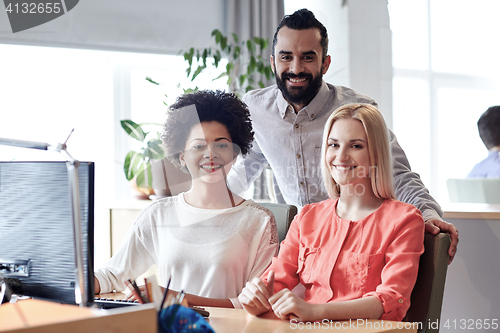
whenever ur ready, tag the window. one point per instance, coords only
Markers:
(445, 75)
(46, 92)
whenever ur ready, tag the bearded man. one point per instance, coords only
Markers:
(288, 120)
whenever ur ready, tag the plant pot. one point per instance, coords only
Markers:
(168, 180)
(140, 193)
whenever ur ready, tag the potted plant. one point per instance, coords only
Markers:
(245, 67)
(137, 164)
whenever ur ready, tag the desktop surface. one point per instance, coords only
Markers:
(37, 316)
(237, 320)
(225, 320)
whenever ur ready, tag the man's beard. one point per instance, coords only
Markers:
(300, 95)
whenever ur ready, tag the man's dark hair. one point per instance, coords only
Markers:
(489, 127)
(206, 106)
(300, 20)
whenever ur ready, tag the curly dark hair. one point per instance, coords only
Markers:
(489, 127)
(300, 20)
(206, 106)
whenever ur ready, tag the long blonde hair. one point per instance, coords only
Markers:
(378, 149)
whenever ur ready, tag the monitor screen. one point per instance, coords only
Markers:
(37, 247)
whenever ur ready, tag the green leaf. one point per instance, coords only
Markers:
(223, 43)
(188, 56)
(252, 65)
(217, 58)
(133, 129)
(198, 71)
(151, 80)
(261, 84)
(260, 66)
(264, 43)
(220, 76)
(144, 175)
(251, 46)
(190, 90)
(237, 52)
(242, 79)
(218, 36)
(248, 88)
(131, 164)
(235, 38)
(257, 40)
(155, 150)
(204, 57)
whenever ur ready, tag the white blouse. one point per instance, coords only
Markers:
(207, 252)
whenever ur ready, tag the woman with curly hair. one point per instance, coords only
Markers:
(208, 240)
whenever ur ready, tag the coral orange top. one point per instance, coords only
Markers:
(338, 260)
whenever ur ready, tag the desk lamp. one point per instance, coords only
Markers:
(72, 165)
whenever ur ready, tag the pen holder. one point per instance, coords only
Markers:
(179, 319)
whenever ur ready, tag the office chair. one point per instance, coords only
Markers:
(427, 295)
(477, 190)
(283, 214)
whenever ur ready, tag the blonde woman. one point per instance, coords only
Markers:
(357, 252)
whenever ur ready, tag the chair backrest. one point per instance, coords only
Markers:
(482, 190)
(427, 295)
(283, 214)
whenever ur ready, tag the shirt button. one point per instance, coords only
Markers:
(301, 183)
(401, 301)
(296, 126)
(369, 266)
(312, 115)
(299, 156)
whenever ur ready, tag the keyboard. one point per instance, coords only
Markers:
(108, 303)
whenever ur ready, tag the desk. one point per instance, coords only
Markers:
(44, 316)
(471, 290)
(237, 320)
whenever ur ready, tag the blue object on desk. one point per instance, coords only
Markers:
(179, 319)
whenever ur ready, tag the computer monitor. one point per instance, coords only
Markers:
(37, 245)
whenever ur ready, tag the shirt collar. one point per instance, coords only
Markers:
(312, 109)
(494, 153)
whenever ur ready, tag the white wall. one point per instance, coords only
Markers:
(153, 26)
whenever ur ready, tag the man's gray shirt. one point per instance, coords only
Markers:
(291, 144)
